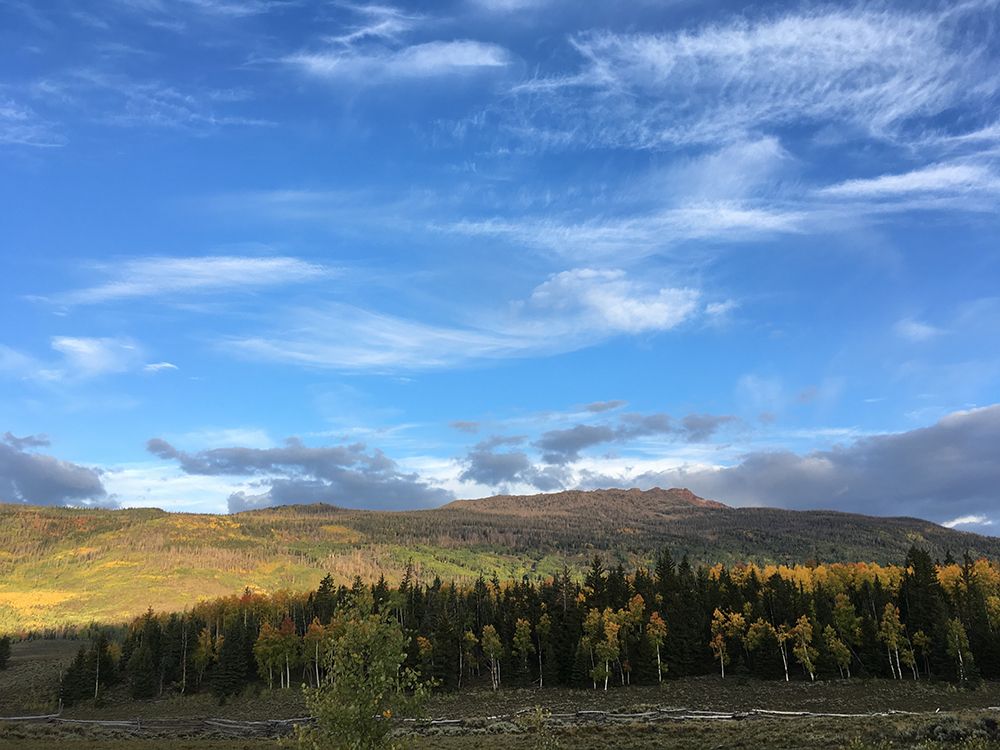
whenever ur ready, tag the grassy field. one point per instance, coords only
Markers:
(922, 714)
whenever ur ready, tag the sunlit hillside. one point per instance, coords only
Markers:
(62, 566)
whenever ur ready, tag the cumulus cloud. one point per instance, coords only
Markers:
(700, 427)
(40, 479)
(490, 467)
(551, 461)
(28, 441)
(464, 426)
(945, 472)
(607, 298)
(348, 475)
(563, 446)
(597, 407)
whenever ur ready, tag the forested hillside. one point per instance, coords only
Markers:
(61, 566)
(612, 629)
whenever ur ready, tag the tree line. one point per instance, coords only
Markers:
(922, 619)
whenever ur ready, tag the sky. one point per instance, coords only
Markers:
(384, 255)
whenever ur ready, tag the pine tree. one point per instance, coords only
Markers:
(231, 672)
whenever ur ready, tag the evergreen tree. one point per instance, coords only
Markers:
(232, 669)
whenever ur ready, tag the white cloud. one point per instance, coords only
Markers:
(568, 311)
(871, 70)
(607, 299)
(347, 338)
(428, 60)
(379, 22)
(164, 276)
(509, 6)
(936, 178)
(21, 126)
(721, 309)
(79, 358)
(973, 520)
(632, 237)
(159, 367)
(89, 357)
(153, 484)
(13, 362)
(212, 437)
(916, 330)
(163, 9)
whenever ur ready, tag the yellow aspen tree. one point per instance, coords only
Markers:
(656, 631)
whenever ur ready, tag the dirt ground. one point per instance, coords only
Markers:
(703, 712)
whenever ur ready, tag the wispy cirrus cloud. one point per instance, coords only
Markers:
(375, 50)
(121, 99)
(916, 330)
(426, 60)
(22, 126)
(79, 358)
(85, 357)
(155, 367)
(376, 22)
(639, 235)
(951, 180)
(159, 10)
(569, 311)
(166, 277)
(729, 80)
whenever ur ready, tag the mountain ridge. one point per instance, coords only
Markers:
(65, 566)
(568, 500)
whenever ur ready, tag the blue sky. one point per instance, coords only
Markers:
(388, 255)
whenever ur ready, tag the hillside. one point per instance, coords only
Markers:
(69, 566)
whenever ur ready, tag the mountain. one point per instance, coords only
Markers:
(637, 503)
(70, 566)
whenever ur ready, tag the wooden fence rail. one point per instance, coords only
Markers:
(279, 727)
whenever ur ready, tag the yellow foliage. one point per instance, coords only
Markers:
(32, 601)
(340, 534)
